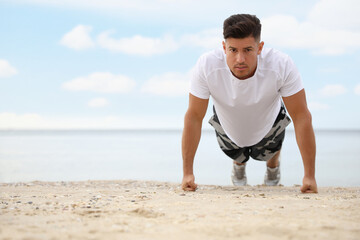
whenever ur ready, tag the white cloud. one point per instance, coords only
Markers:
(332, 28)
(357, 89)
(138, 45)
(78, 38)
(168, 84)
(146, 46)
(316, 106)
(37, 121)
(12, 120)
(208, 39)
(335, 14)
(98, 102)
(286, 31)
(102, 82)
(6, 70)
(332, 90)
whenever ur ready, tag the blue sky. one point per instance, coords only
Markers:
(126, 64)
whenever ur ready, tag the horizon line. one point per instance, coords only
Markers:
(141, 129)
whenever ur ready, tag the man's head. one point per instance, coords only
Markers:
(242, 26)
(242, 44)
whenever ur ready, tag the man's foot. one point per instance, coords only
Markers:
(238, 176)
(272, 176)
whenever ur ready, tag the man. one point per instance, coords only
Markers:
(249, 85)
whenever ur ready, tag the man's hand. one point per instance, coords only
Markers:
(188, 183)
(309, 185)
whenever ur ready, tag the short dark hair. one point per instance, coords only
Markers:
(242, 26)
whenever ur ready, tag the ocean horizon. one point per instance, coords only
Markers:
(155, 154)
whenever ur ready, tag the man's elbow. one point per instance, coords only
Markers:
(305, 118)
(192, 117)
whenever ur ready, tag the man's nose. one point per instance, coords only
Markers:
(240, 58)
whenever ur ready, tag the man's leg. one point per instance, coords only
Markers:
(239, 164)
(272, 174)
(239, 155)
(274, 161)
(268, 149)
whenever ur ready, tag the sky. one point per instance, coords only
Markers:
(121, 64)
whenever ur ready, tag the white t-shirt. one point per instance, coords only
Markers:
(246, 109)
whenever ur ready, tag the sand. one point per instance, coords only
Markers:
(158, 210)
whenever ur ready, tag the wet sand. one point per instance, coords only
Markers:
(159, 210)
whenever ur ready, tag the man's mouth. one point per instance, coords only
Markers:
(240, 67)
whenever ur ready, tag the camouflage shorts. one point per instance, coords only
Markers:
(263, 150)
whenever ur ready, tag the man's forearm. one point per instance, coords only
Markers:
(305, 138)
(190, 141)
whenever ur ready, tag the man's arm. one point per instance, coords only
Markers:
(191, 138)
(305, 137)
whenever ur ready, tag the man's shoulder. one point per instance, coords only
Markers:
(274, 60)
(211, 62)
(214, 57)
(271, 54)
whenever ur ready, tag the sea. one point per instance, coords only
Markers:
(80, 155)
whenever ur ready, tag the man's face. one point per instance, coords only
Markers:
(241, 56)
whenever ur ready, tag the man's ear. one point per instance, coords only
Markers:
(261, 45)
(224, 46)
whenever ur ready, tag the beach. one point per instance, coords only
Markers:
(161, 210)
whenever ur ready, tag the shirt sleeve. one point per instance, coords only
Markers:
(198, 84)
(292, 80)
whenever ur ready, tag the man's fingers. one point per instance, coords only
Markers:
(307, 189)
(190, 187)
(303, 189)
